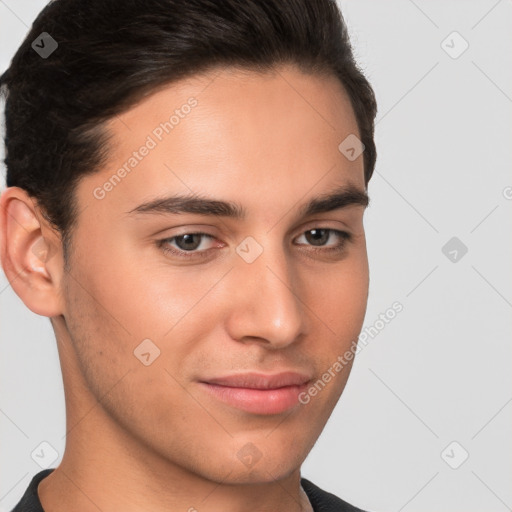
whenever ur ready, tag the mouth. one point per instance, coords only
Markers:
(258, 393)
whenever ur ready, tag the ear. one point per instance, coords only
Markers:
(30, 253)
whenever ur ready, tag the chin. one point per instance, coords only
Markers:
(262, 469)
(263, 474)
(276, 465)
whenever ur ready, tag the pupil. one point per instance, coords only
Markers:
(318, 235)
(188, 239)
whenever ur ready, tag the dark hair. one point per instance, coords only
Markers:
(112, 53)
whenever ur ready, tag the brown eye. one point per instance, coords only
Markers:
(188, 242)
(186, 245)
(319, 236)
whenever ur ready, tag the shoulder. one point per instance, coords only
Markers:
(323, 501)
(29, 502)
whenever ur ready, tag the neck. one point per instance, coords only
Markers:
(100, 476)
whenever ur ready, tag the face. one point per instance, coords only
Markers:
(174, 309)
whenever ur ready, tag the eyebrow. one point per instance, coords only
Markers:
(340, 197)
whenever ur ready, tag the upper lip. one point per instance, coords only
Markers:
(261, 380)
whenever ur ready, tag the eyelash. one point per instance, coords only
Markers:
(163, 244)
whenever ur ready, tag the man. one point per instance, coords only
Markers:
(186, 183)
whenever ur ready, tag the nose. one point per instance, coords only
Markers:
(266, 305)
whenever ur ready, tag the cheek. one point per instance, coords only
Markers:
(104, 340)
(107, 315)
(138, 298)
(341, 297)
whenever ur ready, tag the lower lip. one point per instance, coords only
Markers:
(257, 401)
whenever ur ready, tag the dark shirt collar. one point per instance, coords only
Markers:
(321, 500)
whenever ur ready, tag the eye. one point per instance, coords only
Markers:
(187, 245)
(190, 245)
(318, 236)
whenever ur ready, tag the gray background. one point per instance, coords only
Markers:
(440, 371)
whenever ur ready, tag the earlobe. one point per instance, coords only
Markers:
(28, 258)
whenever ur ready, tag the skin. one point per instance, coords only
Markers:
(149, 437)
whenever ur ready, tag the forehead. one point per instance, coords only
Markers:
(254, 135)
